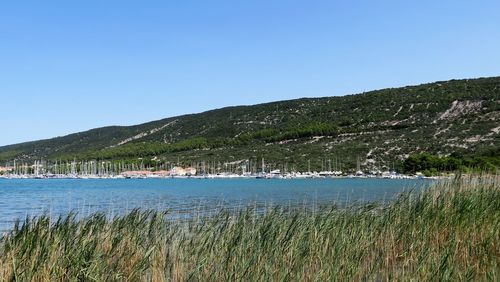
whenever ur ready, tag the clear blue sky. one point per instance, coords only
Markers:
(68, 66)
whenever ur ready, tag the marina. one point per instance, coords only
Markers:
(120, 170)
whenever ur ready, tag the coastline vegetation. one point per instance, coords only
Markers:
(450, 231)
(431, 165)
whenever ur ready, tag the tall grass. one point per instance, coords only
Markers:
(449, 232)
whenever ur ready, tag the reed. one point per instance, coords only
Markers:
(451, 231)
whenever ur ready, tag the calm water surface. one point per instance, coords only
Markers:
(31, 197)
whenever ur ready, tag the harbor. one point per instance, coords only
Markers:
(113, 170)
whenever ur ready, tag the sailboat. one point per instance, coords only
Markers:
(262, 174)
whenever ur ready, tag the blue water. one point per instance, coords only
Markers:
(31, 197)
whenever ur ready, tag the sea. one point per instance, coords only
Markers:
(184, 198)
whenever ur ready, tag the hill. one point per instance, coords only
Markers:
(374, 129)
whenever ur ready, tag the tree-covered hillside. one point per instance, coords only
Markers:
(375, 129)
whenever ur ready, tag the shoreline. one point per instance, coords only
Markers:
(227, 176)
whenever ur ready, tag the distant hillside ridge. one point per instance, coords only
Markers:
(375, 129)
